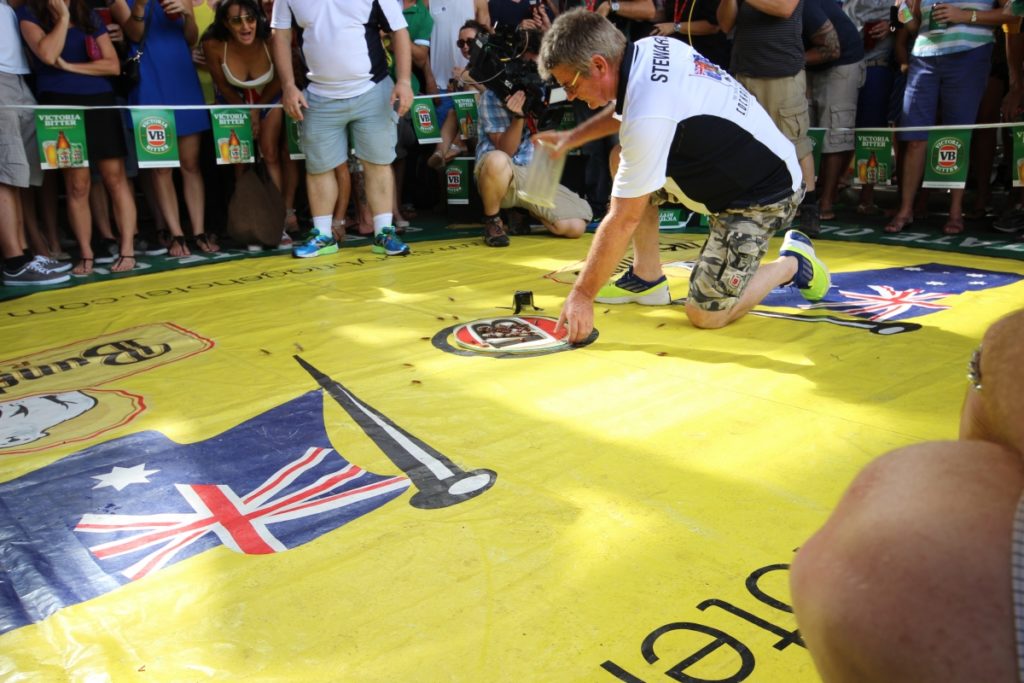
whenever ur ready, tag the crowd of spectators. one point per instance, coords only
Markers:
(811, 63)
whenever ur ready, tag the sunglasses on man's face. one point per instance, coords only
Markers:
(460, 43)
(247, 18)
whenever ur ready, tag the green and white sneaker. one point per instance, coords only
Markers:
(315, 245)
(812, 277)
(389, 243)
(630, 289)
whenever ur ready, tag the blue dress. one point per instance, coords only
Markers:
(167, 75)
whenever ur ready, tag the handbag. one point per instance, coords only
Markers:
(256, 210)
(131, 71)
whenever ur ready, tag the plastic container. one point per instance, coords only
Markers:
(543, 176)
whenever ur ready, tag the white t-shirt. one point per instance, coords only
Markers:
(448, 16)
(341, 42)
(684, 119)
(12, 54)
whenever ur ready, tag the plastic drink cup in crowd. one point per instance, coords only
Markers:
(173, 16)
(542, 176)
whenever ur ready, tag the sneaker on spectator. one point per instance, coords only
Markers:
(107, 251)
(810, 219)
(316, 245)
(812, 277)
(630, 289)
(144, 247)
(53, 264)
(33, 273)
(389, 243)
(286, 241)
(494, 232)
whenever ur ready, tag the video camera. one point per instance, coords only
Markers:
(496, 61)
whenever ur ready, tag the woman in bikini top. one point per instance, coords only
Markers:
(238, 57)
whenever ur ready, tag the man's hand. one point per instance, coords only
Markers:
(556, 141)
(294, 102)
(514, 103)
(577, 317)
(403, 95)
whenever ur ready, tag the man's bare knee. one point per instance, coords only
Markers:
(706, 320)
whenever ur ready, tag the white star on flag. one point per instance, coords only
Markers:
(120, 477)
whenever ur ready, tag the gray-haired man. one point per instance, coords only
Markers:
(725, 158)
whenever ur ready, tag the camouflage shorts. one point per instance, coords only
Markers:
(737, 241)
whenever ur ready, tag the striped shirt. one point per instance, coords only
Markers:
(933, 41)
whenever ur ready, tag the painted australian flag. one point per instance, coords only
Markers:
(896, 293)
(121, 510)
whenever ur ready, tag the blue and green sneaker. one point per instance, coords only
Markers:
(389, 243)
(812, 277)
(630, 289)
(315, 245)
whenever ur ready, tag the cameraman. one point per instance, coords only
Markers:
(503, 152)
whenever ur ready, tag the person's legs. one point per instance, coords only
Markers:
(77, 183)
(195, 192)
(10, 199)
(116, 182)
(494, 173)
(167, 200)
(270, 145)
(910, 578)
(343, 181)
(325, 141)
(920, 108)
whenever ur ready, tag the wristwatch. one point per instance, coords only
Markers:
(678, 28)
(974, 16)
(615, 6)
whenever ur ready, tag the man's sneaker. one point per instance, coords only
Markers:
(494, 232)
(149, 249)
(53, 264)
(387, 242)
(33, 273)
(630, 289)
(810, 219)
(316, 245)
(812, 277)
(106, 251)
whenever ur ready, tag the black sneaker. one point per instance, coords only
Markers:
(106, 251)
(494, 233)
(33, 273)
(810, 220)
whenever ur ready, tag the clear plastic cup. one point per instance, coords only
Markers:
(543, 176)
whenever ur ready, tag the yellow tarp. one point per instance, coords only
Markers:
(650, 488)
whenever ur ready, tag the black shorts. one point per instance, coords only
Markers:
(104, 128)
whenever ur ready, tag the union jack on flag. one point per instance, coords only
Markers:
(896, 293)
(122, 510)
(242, 523)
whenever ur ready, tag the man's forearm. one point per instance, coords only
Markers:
(403, 55)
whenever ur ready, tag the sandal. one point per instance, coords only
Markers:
(868, 209)
(494, 233)
(898, 223)
(83, 268)
(178, 242)
(119, 267)
(954, 226)
(207, 243)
